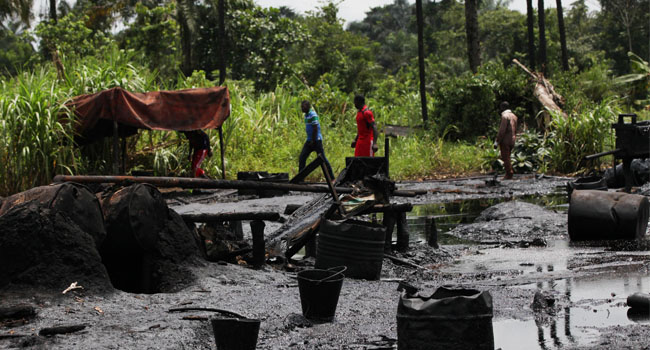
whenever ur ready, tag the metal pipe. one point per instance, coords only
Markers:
(602, 154)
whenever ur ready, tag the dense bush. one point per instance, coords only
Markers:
(469, 102)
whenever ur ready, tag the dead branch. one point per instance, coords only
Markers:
(544, 91)
(61, 329)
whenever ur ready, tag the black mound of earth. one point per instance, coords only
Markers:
(52, 236)
(45, 249)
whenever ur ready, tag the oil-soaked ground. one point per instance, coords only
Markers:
(517, 248)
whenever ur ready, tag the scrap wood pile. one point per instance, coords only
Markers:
(369, 192)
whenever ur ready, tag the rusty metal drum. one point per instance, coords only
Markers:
(602, 215)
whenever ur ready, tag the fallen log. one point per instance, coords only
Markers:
(222, 217)
(544, 91)
(185, 182)
(388, 208)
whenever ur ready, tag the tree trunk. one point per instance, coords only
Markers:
(183, 10)
(53, 10)
(560, 22)
(542, 36)
(531, 32)
(186, 45)
(471, 29)
(423, 95)
(222, 43)
(545, 94)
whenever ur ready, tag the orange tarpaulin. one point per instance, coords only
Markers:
(190, 109)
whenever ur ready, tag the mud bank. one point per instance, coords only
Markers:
(588, 284)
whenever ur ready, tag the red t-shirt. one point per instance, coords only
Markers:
(364, 129)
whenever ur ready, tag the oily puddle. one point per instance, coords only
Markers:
(591, 303)
(451, 214)
(588, 303)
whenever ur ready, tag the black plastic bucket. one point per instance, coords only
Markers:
(319, 292)
(600, 215)
(448, 319)
(358, 245)
(235, 333)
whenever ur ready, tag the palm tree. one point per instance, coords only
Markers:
(531, 33)
(560, 23)
(471, 29)
(542, 35)
(186, 17)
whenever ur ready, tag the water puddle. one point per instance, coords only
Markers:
(593, 303)
(587, 303)
(449, 215)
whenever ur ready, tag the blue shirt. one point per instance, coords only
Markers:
(311, 122)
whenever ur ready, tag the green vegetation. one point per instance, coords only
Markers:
(277, 58)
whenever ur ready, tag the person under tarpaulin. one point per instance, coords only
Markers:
(365, 143)
(199, 150)
(314, 142)
(506, 137)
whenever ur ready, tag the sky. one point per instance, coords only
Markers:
(354, 10)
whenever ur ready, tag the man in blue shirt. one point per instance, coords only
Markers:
(314, 141)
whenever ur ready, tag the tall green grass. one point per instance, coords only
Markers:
(34, 143)
(580, 134)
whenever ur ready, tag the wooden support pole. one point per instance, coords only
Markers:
(237, 228)
(222, 150)
(304, 172)
(389, 222)
(387, 155)
(402, 233)
(335, 196)
(116, 147)
(310, 248)
(123, 155)
(259, 249)
(431, 231)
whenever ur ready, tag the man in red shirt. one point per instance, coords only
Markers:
(365, 143)
(199, 149)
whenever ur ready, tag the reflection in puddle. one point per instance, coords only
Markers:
(449, 215)
(592, 303)
(585, 304)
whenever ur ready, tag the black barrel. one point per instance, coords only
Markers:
(358, 245)
(587, 183)
(448, 319)
(601, 215)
